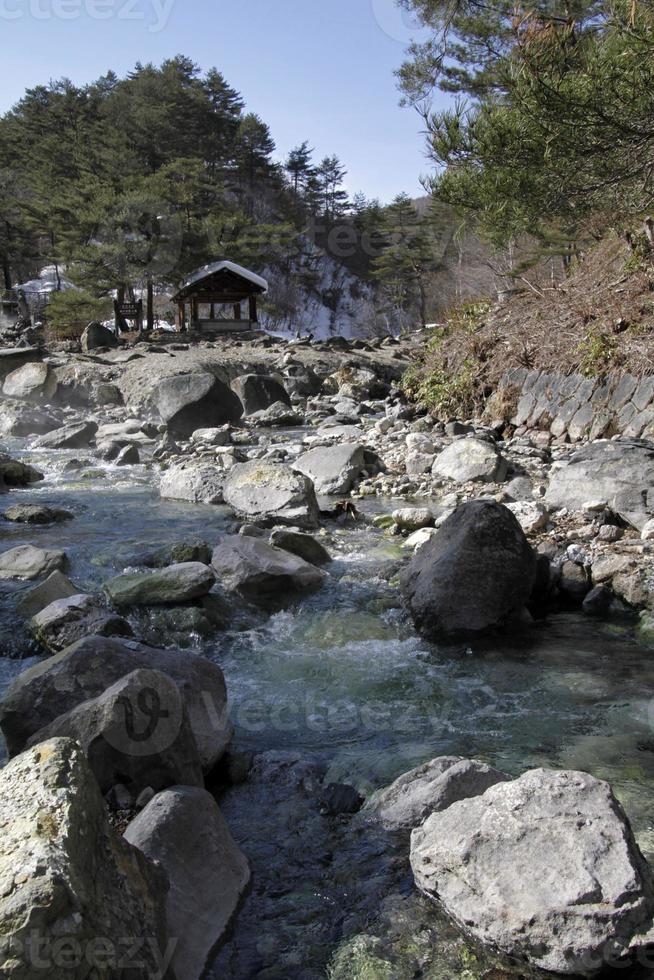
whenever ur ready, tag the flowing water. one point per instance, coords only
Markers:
(342, 676)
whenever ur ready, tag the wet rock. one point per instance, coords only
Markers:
(25, 421)
(37, 514)
(262, 573)
(271, 491)
(183, 830)
(135, 733)
(475, 574)
(56, 586)
(544, 868)
(471, 459)
(34, 382)
(187, 402)
(332, 469)
(128, 456)
(14, 474)
(26, 563)
(97, 335)
(574, 581)
(338, 798)
(65, 621)
(619, 472)
(169, 586)
(598, 602)
(197, 483)
(413, 518)
(430, 788)
(302, 545)
(258, 392)
(76, 435)
(68, 880)
(89, 667)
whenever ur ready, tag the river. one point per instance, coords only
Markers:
(343, 676)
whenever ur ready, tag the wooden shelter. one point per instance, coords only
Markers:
(210, 289)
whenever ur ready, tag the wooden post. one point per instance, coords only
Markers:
(212, 311)
(149, 313)
(180, 317)
(253, 309)
(194, 312)
(237, 311)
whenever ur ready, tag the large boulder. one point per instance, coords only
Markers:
(332, 469)
(65, 621)
(430, 788)
(35, 382)
(76, 435)
(620, 473)
(183, 830)
(97, 335)
(544, 868)
(25, 420)
(475, 574)
(302, 545)
(136, 733)
(83, 671)
(197, 483)
(262, 573)
(470, 459)
(36, 514)
(257, 392)
(271, 491)
(14, 474)
(69, 882)
(26, 563)
(187, 402)
(163, 587)
(56, 586)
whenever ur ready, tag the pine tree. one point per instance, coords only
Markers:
(299, 167)
(330, 176)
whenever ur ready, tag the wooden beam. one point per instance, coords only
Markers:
(253, 309)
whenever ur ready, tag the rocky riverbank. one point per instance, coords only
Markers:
(294, 456)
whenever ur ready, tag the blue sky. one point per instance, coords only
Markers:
(320, 70)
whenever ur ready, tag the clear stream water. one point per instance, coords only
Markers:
(343, 677)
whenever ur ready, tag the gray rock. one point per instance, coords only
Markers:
(187, 402)
(76, 435)
(67, 620)
(332, 469)
(27, 421)
(278, 415)
(430, 788)
(220, 436)
(34, 382)
(470, 459)
(474, 575)
(413, 518)
(262, 573)
(165, 587)
(37, 514)
(89, 667)
(197, 483)
(135, 733)
(97, 335)
(14, 474)
(183, 830)
(128, 456)
(56, 586)
(271, 491)
(26, 563)
(544, 868)
(257, 392)
(68, 880)
(302, 545)
(620, 472)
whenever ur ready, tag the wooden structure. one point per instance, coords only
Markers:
(218, 285)
(124, 312)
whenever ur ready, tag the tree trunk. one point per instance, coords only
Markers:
(150, 305)
(6, 272)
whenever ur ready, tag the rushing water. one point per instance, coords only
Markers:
(342, 676)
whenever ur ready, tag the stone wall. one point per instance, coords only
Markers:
(575, 408)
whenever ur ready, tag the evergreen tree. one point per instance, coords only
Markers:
(299, 167)
(330, 175)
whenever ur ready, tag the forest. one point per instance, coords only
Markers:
(128, 184)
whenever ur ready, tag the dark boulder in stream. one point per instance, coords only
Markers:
(188, 402)
(474, 575)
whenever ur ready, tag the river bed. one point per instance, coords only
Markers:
(342, 676)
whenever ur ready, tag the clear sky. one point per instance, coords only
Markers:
(320, 70)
